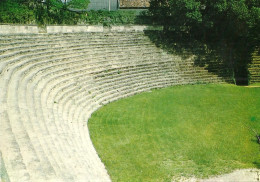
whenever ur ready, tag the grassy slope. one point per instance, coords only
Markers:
(178, 131)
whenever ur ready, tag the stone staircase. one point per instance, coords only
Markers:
(254, 67)
(51, 83)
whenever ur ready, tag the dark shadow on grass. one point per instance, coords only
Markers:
(255, 140)
(257, 164)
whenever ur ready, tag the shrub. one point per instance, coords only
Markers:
(107, 18)
(13, 12)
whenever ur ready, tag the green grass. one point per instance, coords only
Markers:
(193, 130)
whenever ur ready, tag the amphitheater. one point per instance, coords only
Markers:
(51, 82)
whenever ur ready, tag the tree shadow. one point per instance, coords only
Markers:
(257, 164)
(214, 55)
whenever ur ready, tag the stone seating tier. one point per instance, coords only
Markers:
(51, 83)
(254, 67)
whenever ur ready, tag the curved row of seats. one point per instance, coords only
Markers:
(254, 67)
(51, 83)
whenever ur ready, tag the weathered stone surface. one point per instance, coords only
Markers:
(134, 3)
(11, 29)
(254, 67)
(51, 83)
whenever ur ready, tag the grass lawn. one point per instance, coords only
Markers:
(192, 130)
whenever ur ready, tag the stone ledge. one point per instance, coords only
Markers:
(18, 29)
(52, 29)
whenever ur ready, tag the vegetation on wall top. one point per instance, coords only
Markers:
(70, 13)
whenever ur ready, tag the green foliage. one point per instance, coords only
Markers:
(110, 17)
(120, 17)
(191, 130)
(79, 4)
(234, 22)
(55, 12)
(72, 13)
(176, 12)
(221, 16)
(49, 12)
(13, 12)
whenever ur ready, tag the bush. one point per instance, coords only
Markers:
(55, 12)
(13, 12)
(107, 18)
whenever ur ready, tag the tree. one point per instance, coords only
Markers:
(235, 22)
(177, 13)
(224, 17)
(78, 4)
(12, 11)
(58, 12)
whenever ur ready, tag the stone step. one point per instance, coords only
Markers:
(38, 106)
(14, 162)
(88, 36)
(50, 85)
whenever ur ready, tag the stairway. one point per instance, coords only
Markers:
(51, 83)
(254, 67)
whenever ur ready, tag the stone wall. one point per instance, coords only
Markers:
(25, 29)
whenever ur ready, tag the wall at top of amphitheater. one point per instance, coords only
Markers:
(34, 29)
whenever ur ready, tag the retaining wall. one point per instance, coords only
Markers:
(25, 29)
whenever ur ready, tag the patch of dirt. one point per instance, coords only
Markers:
(252, 86)
(242, 175)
